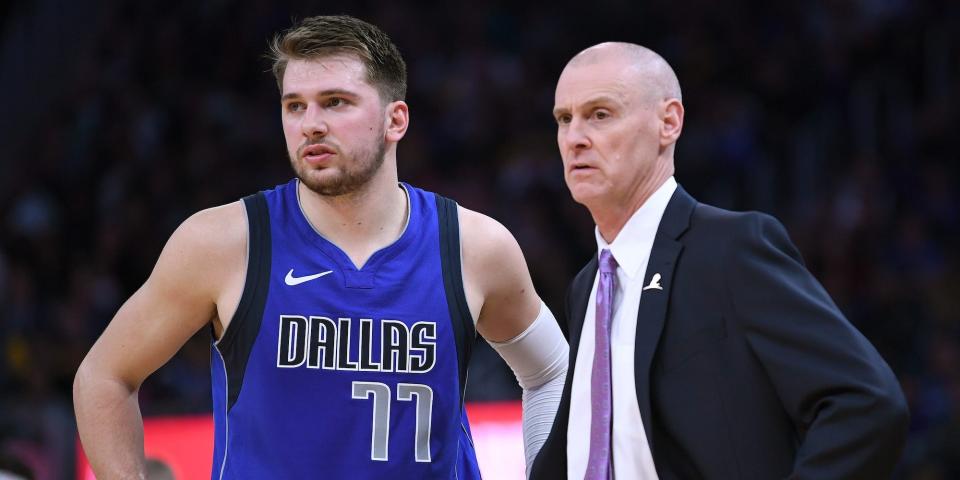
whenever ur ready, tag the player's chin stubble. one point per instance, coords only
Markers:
(353, 174)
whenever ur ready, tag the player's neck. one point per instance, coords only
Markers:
(361, 222)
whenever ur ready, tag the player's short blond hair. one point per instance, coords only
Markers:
(322, 36)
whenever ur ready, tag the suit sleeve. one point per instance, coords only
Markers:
(843, 398)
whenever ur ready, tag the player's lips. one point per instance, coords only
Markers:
(317, 153)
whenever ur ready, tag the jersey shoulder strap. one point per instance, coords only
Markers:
(463, 328)
(237, 340)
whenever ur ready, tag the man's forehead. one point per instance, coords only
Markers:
(586, 86)
(326, 64)
(340, 68)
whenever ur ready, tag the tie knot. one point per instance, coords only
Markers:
(608, 264)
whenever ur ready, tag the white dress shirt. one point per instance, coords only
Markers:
(631, 248)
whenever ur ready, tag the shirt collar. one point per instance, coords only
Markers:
(639, 231)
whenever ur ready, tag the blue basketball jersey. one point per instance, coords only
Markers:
(329, 371)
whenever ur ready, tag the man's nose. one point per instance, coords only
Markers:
(575, 138)
(314, 124)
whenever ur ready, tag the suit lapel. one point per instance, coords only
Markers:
(654, 302)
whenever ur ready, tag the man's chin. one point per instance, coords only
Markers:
(585, 194)
(328, 189)
(326, 182)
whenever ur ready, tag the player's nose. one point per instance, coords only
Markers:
(314, 124)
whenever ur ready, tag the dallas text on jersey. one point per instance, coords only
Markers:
(322, 343)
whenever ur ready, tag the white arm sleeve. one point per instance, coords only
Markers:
(538, 357)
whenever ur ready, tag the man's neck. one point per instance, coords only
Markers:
(612, 214)
(360, 222)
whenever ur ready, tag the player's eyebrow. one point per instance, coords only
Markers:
(325, 93)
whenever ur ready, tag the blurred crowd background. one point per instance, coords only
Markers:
(118, 119)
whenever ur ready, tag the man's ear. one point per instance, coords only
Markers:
(671, 121)
(397, 120)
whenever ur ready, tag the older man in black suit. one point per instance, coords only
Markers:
(701, 346)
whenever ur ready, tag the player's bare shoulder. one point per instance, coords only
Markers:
(211, 238)
(483, 237)
(207, 254)
(488, 248)
(217, 231)
(495, 276)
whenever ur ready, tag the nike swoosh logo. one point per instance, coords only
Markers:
(291, 280)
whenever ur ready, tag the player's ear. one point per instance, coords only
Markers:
(397, 120)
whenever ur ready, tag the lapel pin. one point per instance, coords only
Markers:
(654, 283)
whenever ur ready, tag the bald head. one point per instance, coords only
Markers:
(653, 74)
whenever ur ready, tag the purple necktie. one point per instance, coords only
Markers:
(599, 464)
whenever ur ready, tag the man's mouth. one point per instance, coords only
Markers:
(317, 153)
(317, 149)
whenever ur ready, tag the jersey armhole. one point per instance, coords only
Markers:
(463, 328)
(237, 339)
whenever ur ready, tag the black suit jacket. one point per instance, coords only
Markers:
(744, 366)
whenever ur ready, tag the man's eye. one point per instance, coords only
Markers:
(335, 102)
(295, 106)
(600, 114)
(563, 119)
